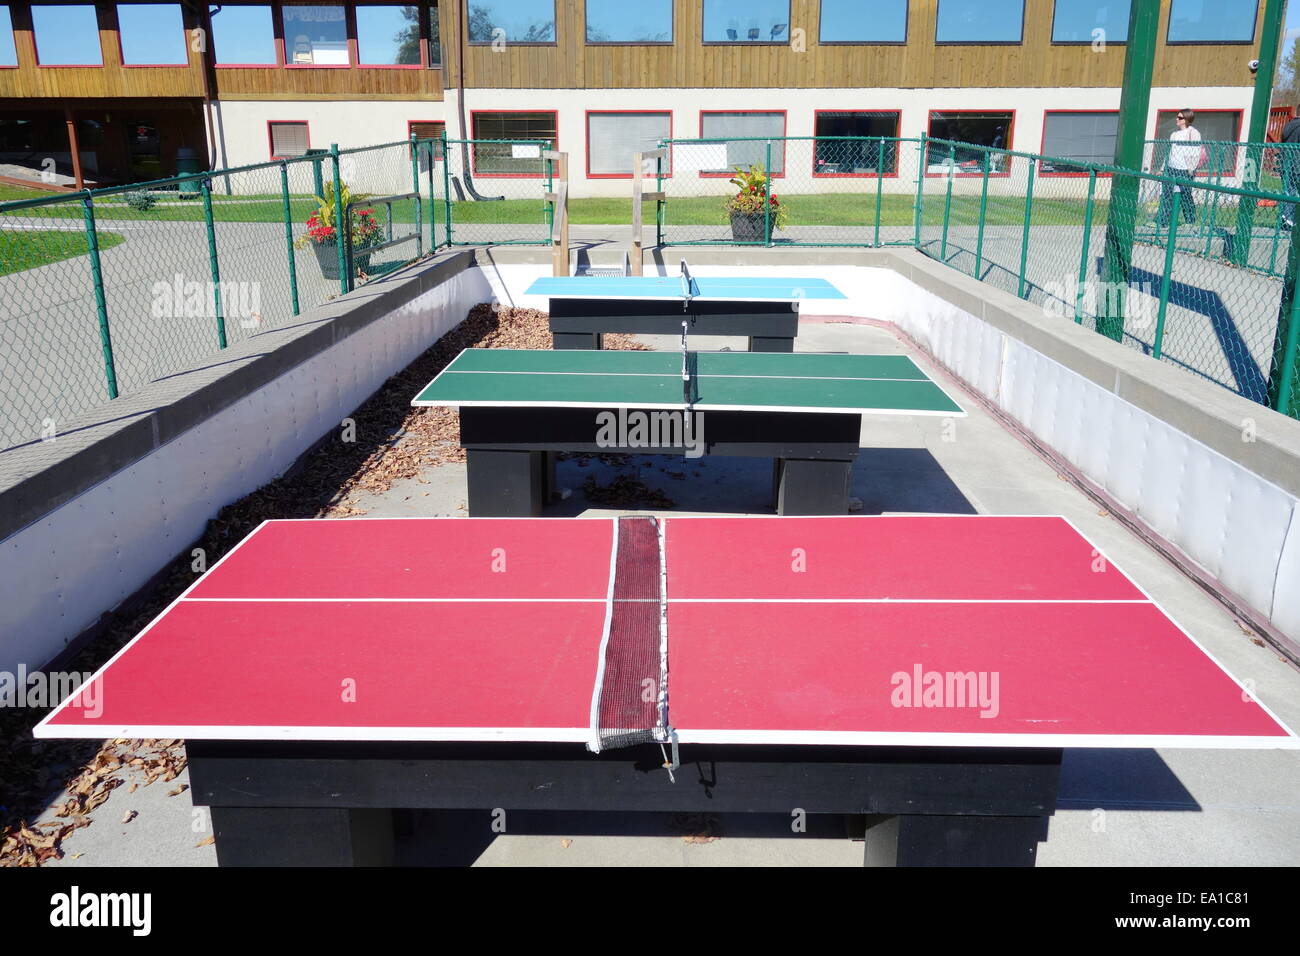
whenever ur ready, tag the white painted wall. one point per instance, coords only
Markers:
(85, 557)
(365, 123)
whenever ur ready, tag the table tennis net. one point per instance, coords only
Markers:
(632, 694)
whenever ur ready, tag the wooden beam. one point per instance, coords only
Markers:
(559, 197)
(74, 146)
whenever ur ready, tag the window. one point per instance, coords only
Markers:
(8, 52)
(1075, 21)
(980, 129)
(435, 36)
(428, 129)
(1212, 21)
(1086, 137)
(1215, 127)
(243, 36)
(863, 21)
(612, 139)
(980, 21)
(66, 35)
(315, 36)
(152, 34)
(288, 138)
(746, 21)
(617, 21)
(512, 158)
(855, 157)
(388, 36)
(746, 135)
(512, 21)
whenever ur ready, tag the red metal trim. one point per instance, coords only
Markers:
(785, 126)
(898, 113)
(1011, 134)
(270, 140)
(587, 144)
(473, 157)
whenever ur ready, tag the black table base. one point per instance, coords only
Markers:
(580, 323)
(330, 804)
(511, 453)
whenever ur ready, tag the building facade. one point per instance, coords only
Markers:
(130, 89)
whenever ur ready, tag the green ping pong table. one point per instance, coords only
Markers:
(519, 408)
(763, 309)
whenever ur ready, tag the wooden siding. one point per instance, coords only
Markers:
(920, 63)
(110, 80)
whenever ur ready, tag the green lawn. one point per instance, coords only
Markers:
(27, 249)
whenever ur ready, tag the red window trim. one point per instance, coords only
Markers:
(473, 153)
(785, 126)
(270, 140)
(1042, 147)
(1011, 138)
(897, 129)
(586, 120)
(1205, 173)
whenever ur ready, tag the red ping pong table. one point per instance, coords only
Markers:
(926, 671)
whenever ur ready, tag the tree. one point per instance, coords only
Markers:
(1286, 88)
(408, 40)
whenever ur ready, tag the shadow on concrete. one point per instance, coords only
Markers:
(460, 837)
(884, 479)
(1120, 780)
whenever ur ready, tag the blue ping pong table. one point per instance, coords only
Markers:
(764, 309)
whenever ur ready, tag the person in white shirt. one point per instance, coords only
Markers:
(1185, 158)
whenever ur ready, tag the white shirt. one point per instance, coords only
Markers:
(1186, 158)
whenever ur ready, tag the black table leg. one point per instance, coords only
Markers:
(576, 340)
(916, 840)
(289, 836)
(817, 487)
(770, 344)
(506, 484)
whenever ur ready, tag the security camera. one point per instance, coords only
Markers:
(1253, 66)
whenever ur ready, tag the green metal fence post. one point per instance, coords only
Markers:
(415, 188)
(1282, 395)
(340, 223)
(205, 187)
(767, 198)
(661, 205)
(1270, 35)
(1024, 237)
(1130, 149)
(984, 206)
(288, 234)
(1087, 247)
(446, 184)
(97, 280)
(880, 182)
(947, 204)
(1172, 246)
(922, 152)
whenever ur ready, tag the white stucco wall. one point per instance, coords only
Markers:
(245, 138)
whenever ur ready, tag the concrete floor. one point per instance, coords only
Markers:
(1116, 807)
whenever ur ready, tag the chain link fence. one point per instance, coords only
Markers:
(106, 290)
(495, 192)
(824, 191)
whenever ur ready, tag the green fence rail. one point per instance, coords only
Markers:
(1199, 293)
(106, 290)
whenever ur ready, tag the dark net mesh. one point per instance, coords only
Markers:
(632, 685)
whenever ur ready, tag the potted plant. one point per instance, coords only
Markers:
(322, 231)
(753, 206)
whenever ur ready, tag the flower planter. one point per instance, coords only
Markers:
(748, 227)
(327, 257)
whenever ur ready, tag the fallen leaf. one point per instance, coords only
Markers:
(208, 842)
(129, 816)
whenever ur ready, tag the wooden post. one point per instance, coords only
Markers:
(639, 197)
(75, 146)
(560, 219)
(637, 260)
